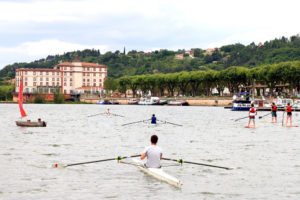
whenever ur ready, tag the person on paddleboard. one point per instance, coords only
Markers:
(153, 154)
(288, 110)
(108, 112)
(153, 119)
(252, 113)
(274, 113)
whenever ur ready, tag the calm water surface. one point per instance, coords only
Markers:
(266, 159)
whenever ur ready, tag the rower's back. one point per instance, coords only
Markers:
(154, 154)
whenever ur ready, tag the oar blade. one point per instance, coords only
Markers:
(57, 165)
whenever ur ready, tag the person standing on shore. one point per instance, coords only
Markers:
(153, 154)
(288, 110)
(274, 113)
(252, 113)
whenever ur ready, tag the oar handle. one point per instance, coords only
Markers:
(241, 118)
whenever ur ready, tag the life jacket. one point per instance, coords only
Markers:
(289, 109)
(252, 110)
(274, 108)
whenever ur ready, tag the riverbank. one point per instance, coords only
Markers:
(193, 101)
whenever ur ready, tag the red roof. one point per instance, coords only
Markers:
(84, 64)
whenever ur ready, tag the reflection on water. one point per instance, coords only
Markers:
(266, 159)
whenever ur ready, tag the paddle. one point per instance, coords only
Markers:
(134, 122)
(283, 118)
(170, 123)
(89, 162)
(96, 114)
(264, 115)
(241, 118)
(182, 161)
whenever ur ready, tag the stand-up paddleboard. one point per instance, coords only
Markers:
(266, 121)
(250, 127)
(289, 125)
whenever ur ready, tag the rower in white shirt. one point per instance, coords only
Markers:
(153, 154)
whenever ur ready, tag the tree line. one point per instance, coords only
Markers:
(163, 61)
(196, 83)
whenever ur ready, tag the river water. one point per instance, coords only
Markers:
(266, 160)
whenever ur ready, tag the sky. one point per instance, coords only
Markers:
(34, 29)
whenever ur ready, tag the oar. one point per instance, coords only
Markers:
(283, 118)
(134, 122)
(170, 123)
(116, 115)
(264, 115)
(89, 162)
(241, 118)
(96, 114)
(183, 161)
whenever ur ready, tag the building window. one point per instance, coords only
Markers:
(94, 74)
(94, 69)
(57, 73)
(53, 84)
(53, 79)
(53, 73)
(88, 69)
(41, 83)
(47, 79)
(100, 84)
(70, 84)
(84, 80)
(41, 79)
(88, 84)
(57, 83)
(88, 74)
(88, 80)
(70, 79)
(47, 73)
(65, 73)
(71, 68)
(94, 84)
(83, 74)
(34, 83)
(65, 79)
(83, 84)
(34, 73)
(25, 72)
(65, 91)
(25, 83)
(65, 68)
(57, 79)
(70, 73)
(25, 78)
(47, 83)
(65, 84)
(41, 73)
(100, 80)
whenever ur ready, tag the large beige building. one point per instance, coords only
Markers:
(69, 77)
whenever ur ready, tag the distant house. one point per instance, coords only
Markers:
(190, 53)
(179, 56)
(210, 50)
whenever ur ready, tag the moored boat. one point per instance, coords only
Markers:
(240, 103)
(282, 102)
(147, 101)
(29, 123)
(133, 101)
(178, 103)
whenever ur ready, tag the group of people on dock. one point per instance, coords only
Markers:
(274, 109)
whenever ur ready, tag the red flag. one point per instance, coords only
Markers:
(20, 98)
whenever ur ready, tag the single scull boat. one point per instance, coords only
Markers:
(157, 173)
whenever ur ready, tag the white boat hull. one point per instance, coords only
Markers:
(157, 173)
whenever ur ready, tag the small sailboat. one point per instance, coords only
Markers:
(27, 123)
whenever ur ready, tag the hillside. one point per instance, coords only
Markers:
(163, 61)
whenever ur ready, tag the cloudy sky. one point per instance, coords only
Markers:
(32, 29)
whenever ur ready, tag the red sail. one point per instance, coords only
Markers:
(20, 98)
